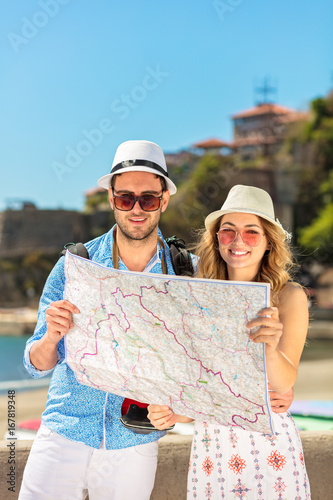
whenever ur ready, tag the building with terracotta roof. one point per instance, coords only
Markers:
(259, 131)
(263, 109)
(212, 145)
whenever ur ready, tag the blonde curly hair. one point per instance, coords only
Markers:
(275, 267)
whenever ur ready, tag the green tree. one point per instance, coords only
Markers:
(318, 236)
(97, 201)
(311, 148)
(202, 193)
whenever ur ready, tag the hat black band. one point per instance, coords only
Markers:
(139, 163)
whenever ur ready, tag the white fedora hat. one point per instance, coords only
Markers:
(138, 156)
(250, 200)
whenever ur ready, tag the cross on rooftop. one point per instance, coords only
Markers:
(265, 90)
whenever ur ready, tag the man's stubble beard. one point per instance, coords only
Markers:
(140, 236)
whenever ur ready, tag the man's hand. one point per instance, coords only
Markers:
(44, 352)
(59, 319)
(280, 403)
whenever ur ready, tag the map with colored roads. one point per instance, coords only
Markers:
(169, 340)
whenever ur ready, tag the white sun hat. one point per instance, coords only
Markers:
(138, 156)
(250, 200)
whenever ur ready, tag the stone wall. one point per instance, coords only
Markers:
(30, 242)
(174, 451)
(44, 231)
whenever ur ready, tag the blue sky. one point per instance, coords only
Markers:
(81, 76)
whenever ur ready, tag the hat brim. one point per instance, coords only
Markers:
(214, 216)
(104, 182)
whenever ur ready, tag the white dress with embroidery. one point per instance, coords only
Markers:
(231, 463)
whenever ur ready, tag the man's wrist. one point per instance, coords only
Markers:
(44, 353)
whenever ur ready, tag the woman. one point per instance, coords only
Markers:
(244, 242)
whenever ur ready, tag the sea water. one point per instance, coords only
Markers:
(13, 375)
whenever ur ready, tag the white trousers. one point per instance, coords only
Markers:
(59, 469)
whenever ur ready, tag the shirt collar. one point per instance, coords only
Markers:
(156, 259)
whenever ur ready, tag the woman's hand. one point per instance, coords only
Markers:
(280, 402)
(161, 416)
(270, 328)
(283, 333)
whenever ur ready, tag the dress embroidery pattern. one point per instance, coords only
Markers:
(242, 465)
(206, 439)
(237, 464)
(217, 439)
(258, 477)
(240, 490)
(233, 438)
(208, 491)
(301, 457)
(271, 438)
(291, 449)
(276, 460)
(220, 478)
(207, 466)
(280, 487)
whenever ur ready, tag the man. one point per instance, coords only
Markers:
(81, 446)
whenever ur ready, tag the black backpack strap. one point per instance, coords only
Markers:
(76, 249)
(180, 256)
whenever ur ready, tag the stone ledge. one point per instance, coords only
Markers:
(174, 451)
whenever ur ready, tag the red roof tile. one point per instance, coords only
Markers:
(211, 143)
(263, 109)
